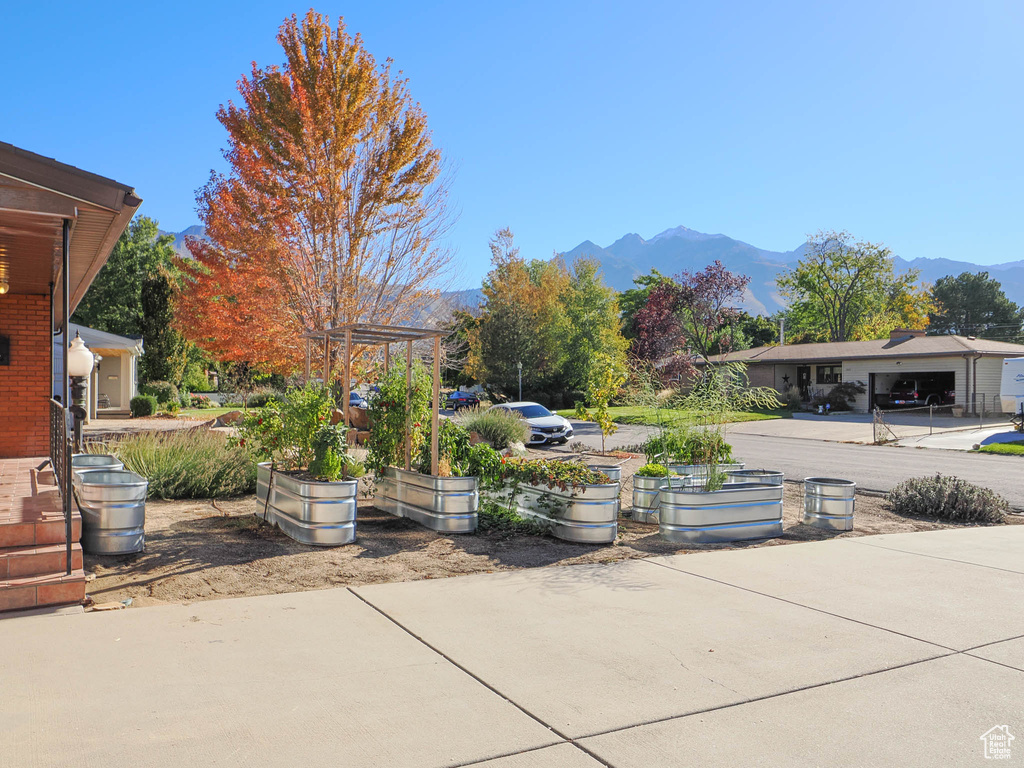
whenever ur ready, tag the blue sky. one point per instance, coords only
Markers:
(898, 121)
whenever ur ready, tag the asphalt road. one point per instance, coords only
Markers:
(872, 467)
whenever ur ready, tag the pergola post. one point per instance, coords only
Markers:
(387, 356)
(434, 418)
(327, 358)
(347, 383)
(408, 405)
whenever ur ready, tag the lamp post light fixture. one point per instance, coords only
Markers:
(80, 364)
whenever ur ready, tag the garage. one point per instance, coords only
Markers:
(907, 389)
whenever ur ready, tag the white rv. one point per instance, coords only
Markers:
(1011, 389)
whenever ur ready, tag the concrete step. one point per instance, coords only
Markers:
(42, 590)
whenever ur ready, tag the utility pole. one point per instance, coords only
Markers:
(782, 332)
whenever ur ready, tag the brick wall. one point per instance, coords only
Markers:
(25, 383)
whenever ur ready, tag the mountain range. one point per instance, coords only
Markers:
(680, 248)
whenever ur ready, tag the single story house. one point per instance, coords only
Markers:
(114, 380)
(970, 368)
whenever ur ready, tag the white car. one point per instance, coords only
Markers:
(545, 426)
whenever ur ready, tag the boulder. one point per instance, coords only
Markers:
(228, 419)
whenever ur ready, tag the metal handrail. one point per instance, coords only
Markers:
(61, 449)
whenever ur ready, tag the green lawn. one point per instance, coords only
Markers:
(639, 415)
(1015, 448)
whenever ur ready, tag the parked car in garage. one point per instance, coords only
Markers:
(922, 391)
(458, 399)
(545, 426)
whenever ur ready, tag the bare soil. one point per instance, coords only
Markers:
(210, 549)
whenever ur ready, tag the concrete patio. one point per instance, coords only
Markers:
(887, 650)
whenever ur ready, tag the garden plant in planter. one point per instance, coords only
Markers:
(647, 485)
(573, 501)
(306, 481)
(447, 501)
(704, 508)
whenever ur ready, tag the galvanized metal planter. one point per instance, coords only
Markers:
(586, 515)
(736, 512)
(85, 461)
(701, 470)
(113, 507)
(766, 476)
(446, 504)
(613, 471)
(313, 512)
(829, 503)
(646, 499)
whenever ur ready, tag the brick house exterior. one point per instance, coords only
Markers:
(25, 380)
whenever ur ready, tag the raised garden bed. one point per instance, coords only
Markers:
(312, 512)
(586, 514)
(446, 504)
(737, 512)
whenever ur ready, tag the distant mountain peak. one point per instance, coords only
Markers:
(683, 232)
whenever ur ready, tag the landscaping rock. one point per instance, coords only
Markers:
(229, 419)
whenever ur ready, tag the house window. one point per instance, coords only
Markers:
(830, 374)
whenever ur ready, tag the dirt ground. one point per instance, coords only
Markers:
(205, 550)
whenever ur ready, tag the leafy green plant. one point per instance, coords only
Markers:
(331, 460)
(840, 396)
(947, 498)
(792, 399)
(185, 464)
(652, 470)
(493, 516)
(497, 426)
(142, 405)
(388, 414)
(453, 448)
(296, 432)
(688, 445)
(164, 392)
(563, 475)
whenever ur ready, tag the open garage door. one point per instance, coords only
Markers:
(913, 389)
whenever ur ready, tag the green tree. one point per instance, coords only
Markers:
(521, 321)
(113, 302)
(592, 316)
(748, 331)
(133, 296)
(973, 304)
(165, 352)
(842, 290)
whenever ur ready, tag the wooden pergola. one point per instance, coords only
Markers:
(375, 335)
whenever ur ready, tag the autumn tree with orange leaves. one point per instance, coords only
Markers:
(333, 211)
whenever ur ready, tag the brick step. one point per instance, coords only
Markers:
(33, 560)
(34, 530)
(39, 591)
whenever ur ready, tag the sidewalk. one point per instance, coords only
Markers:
(887, 650)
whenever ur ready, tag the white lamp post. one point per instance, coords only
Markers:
(519, 365)
(80, 364)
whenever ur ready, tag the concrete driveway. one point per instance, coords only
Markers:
(888, 650)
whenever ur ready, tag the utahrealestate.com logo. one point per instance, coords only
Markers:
(997, 742)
